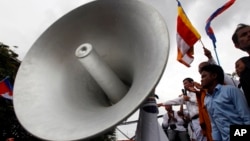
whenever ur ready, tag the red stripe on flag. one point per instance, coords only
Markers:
(187, 35)
(5, 87)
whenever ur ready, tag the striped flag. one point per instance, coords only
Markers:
(6, 89)
(187, 36)
(208, 28)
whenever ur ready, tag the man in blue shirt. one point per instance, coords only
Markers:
(225, 104)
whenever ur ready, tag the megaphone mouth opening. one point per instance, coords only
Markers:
(83, 50)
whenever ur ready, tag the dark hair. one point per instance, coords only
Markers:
(215, 69)
(239, 27)
(188, 79)
(246, 61)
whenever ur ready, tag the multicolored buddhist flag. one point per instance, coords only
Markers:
(187, 36)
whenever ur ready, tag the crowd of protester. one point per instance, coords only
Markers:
(214, 104)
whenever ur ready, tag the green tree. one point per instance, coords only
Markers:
(9, 63)
(9, 125)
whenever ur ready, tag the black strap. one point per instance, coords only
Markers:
(195, 117)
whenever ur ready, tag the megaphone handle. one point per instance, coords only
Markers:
(184, 91)
(101, 72)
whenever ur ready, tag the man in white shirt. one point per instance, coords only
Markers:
(189, 98)
(174, 125)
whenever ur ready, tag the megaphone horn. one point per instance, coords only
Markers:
(91, 69)
(105, 77)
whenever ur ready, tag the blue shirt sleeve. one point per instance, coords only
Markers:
(216, 135)
(238, 98)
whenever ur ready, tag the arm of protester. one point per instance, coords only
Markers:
(209, 56)
(191, 97)
(197, 85)
(176, 101)
(241, 105)
(216, 135)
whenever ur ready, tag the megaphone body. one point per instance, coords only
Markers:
(56, 96)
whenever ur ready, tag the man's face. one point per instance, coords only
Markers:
(187, 84)
(243, 39)
(239, 67)
(206, 79)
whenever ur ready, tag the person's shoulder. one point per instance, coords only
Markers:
(230, 89)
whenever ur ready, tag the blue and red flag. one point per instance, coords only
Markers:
(6, 89)
(208, 28)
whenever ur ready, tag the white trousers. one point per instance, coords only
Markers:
(195, 123)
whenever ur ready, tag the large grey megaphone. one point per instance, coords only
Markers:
(91, 69)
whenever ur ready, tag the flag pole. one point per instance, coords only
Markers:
(216, 54)
(214, 51)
